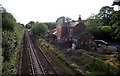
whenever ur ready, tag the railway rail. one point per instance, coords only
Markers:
(32, 59)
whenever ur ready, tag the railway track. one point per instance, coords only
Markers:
(32, 60)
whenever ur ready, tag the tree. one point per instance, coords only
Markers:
(8, 21)
(93, 22)
(39, 29)
(95, 26)
(63, 19)
(20, 24)
(115, 21)
(29, 25)
(67, 19)
(51, 25)
(105, 14)
(98, 24)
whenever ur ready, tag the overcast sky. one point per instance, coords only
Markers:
(49, 10)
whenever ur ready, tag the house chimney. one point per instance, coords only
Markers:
(79, 19)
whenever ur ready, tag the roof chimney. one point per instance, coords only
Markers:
(79, 19)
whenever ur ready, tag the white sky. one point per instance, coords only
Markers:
(49, 10)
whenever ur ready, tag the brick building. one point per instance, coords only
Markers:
(75, 30)
(70, 30)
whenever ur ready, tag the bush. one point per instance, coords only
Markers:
(39, 29)
(102, 32)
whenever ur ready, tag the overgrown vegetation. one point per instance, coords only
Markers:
(93, 65)
(12, 34)
(81, 62)
(104, 25)
(59, 57)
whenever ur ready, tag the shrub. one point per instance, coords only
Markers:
(102, 32)
(39, 29)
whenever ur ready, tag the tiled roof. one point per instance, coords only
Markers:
(73, 24)
(70, 24)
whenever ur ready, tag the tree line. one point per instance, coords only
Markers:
(105, 25)
(12, 35)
